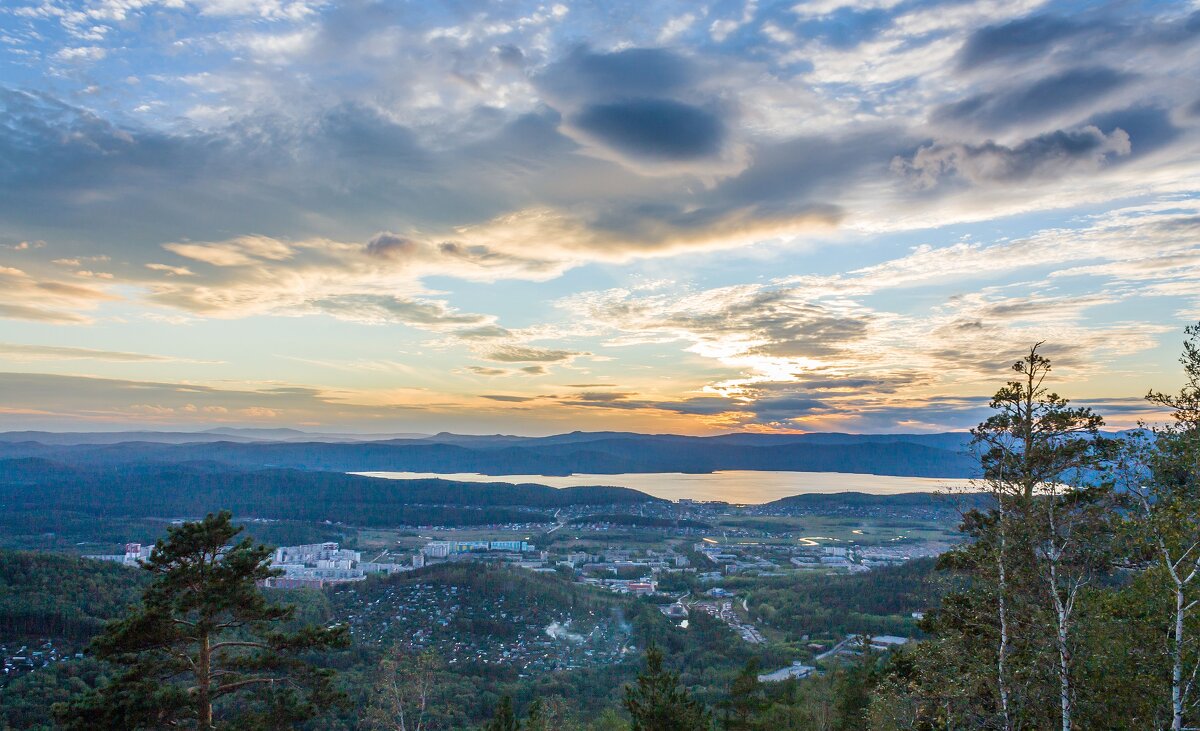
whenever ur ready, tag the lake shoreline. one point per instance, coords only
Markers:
(742, 487)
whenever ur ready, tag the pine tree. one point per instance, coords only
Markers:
(659, 703)
(205, 649)
(504, 719)
(745, 697)
(548, 714)
(536, 717)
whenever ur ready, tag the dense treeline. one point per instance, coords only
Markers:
(649, 521)
(825, 501)
(151, 490)
(48, 595)
(878, 602)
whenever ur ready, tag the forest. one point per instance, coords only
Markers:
(137, 490)
(1073, 603)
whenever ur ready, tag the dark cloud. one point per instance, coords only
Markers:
(632, 72)
(347, 174)
(534, 370)
(704, 406)
(648, 104)
(1044, 156)
(1060, 92)
(809, 170)
(510, 55)
(1017, 40)
(390, 246)
(355, 133)
(787, 408)
(819, 383)
(624, 401)
(482, 371)
(657, 128)
(1149, 128)
(602, 397)
(507, 399)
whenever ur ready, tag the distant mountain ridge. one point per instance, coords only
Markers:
(906, 455)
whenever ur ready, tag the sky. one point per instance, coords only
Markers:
(530, 218)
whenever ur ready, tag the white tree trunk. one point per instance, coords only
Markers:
(1063, 610)
(1177, 699)
(1002, 654)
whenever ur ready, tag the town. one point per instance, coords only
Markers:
(664, 557)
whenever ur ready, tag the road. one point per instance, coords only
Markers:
(724, 612)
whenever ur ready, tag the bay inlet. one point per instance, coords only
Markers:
(733, 486)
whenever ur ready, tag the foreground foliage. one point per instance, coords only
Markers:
(203, 650)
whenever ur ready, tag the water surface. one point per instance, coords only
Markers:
(734, 486)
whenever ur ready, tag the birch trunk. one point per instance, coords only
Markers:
(1002, 654)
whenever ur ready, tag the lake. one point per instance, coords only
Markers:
(734, 486)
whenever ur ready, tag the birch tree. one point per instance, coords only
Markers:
(1161, 470)
(1028, 447)
(402, 698)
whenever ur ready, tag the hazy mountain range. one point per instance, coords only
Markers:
(915, 455)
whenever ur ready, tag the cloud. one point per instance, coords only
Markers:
(483, 371)
(242, 251)
(378, 163)
(654, 128)
(1017, 40)
(809, 352)
(390, 246)
(119, 400)
(744, 320)
(23, 352)
(648, 107)
(1064, 91)
(38, 314)
(584, 74)
(484, 332)
(175, 271)
(383, 308)
(626, 401)
(1051, 155)
(26, 297)
(523, 354)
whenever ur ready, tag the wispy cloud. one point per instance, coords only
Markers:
(818, 213)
